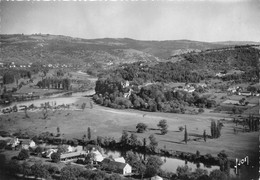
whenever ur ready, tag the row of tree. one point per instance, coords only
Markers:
(54, 83)
(215, 129)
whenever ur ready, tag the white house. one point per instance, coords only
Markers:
(14, 142)
(125, 84)
(72, 155)
(220, 74)
(49, 152)
(98, 156)
(28, 143)
(77, 148)
(120, 159)
(119, 167)
(246, 93)
(69, 148)
(232, 89)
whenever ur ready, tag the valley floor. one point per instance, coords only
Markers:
(111, 122)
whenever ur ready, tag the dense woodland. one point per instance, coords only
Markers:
(196, 67)
(156, 97)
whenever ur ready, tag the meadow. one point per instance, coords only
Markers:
(109, 122)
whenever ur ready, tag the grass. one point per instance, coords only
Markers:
(110, 122)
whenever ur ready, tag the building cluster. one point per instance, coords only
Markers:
(190, 87)
(240, 91)
(24, 143)
(14, 65)
(72, 154)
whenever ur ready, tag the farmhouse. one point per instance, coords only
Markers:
(120, 159)
(27, 143)
(125, 84)
(13, 142)
(220, 74)
(49, 152)
(98, 156)
(245, 93)
(232, 89)
(119, 167)
(72, 155)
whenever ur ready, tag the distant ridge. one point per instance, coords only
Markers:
(46, 48)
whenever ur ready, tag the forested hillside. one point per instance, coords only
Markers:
(197, 66)
(241, 64)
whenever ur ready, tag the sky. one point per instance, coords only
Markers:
(215, 20)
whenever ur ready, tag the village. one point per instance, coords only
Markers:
(67, 154)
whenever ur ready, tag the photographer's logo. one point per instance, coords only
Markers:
(241, 162)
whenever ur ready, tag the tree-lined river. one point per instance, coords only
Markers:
(170, 164)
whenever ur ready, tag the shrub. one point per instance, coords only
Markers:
(55, 157)
(24, 154)
(141, 127)
(217, 175)
(201, 110)
(163, 125)
(181, 128)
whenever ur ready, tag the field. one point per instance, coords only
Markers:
(110, 122)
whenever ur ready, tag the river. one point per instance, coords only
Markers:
(170, 164)
(57, 99)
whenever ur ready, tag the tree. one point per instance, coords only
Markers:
(62, 149)
(199, 173)
(51, 169)
(183, 172)
(89, 133)
(38, 150)
(133, 141)
(90, 158)
(91, 105)
(217, 175)
(185, 135)
(38, 170)
(141, 169)
(215, 129)
(201, 110)
(13, 166)
(71, 172)
(3, 144)
(204, 135)
(25, 169)
(24, 154)
(141, 127)
(153, 165)
(242, 101)
(132, 159)
(124, 139)
(83, 106)
(45, 112)
(58, 131)
(163, 125)
(224, 162)
(55, 157)
(153, 143)
(26, 113)
(115, 177)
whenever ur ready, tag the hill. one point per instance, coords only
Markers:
(40, 48)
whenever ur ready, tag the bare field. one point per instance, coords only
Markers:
(110, 122)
